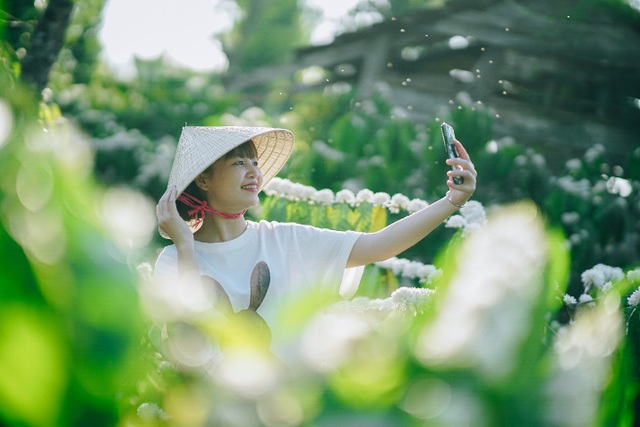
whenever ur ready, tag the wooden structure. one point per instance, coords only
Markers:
(553, 81)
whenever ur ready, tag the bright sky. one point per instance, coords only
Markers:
(184, 30)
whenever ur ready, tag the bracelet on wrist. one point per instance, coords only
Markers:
(448, 196)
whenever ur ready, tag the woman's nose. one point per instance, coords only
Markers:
(254, 170)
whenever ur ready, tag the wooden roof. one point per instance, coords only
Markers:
(549, 77)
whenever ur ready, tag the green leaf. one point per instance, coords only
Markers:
(378, 218)
(361, 217)
(558, 268)
(34, 365)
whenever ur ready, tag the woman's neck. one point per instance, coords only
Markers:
(217, 229)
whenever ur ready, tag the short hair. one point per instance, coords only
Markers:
(246, 149)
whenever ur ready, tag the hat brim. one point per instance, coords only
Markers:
(201, 146)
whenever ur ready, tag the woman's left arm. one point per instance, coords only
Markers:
(401, 235)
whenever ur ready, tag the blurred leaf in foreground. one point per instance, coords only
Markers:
(69, 308)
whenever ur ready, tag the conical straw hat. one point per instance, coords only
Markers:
(200, 146)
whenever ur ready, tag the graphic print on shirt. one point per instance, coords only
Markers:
(259, 286)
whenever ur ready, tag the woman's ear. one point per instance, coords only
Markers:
(201, 182)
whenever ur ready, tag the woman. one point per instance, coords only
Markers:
(217, 175)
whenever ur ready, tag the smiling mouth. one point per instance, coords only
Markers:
(251, 187)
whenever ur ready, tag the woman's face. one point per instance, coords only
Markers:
(234, 183)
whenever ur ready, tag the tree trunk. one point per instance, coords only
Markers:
(46, 42)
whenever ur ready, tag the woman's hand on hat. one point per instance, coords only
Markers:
(459, 194)
(169, 219)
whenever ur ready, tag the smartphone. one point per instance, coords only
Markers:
(448, 135)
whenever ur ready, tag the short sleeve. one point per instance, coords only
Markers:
(166, 267)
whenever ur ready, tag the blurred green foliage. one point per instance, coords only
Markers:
(483, 353)
(70, 317)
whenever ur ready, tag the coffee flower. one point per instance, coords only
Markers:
(364, 195)
(634, 298)
(398, 202)
(345, 196)
(324, 197)
(601, 275)
(416, 204)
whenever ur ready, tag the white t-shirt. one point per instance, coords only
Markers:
(298, 256)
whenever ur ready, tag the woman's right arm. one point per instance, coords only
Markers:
(176, 228)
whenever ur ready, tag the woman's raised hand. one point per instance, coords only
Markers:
(460, 193)
(169, 219)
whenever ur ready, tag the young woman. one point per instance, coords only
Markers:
(217, 175)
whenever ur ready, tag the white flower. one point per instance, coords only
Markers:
(356, 305)
(456, 221)
(386, 263)
(301, 192)
(470, 228)
(381, 304)
(607, 287)
(364, 195)
(397, 202)
(611, 274)
(574, 164)
(634, 298)
(412, 269)
(434, 275)
(345, 196)
(600, 275)
(592, 277)
(411, 299)
(416, 204)
(474, 212)
(398, 266)
(273, 187)
(580, 188)
(634, 276)
(151, 411)
(425, 271)
(569, 300)
(324, 197)
(285, 188)
(472, 217)
(381, 199)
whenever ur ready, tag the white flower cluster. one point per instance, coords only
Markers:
(288, 190)
(634, 298)
(601, 277)
(472, 217)
(405, 298)
(634, 277)
(151, 411)
(581, 188)
(415, 300)
(411, 269)
(158, 163)
(360, 305)
(569, 300)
